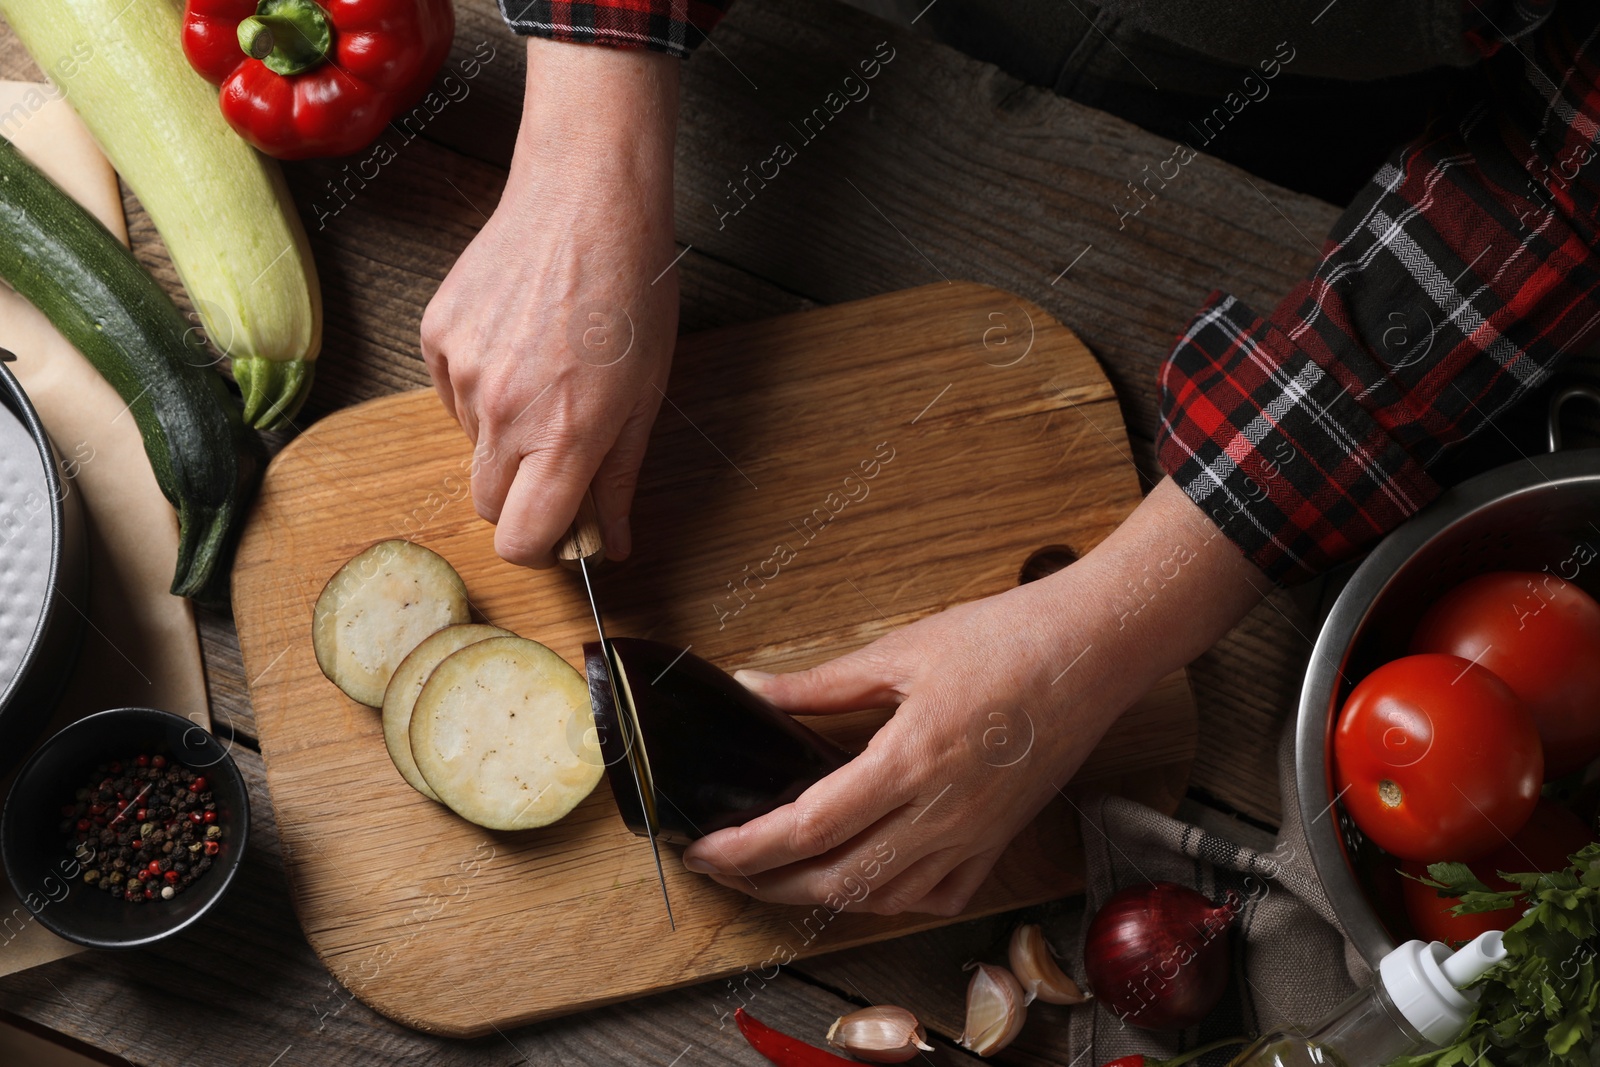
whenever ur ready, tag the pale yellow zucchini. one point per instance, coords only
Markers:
(221, 207)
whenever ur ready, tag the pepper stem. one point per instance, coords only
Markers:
(288, 36)
(1196, 1053)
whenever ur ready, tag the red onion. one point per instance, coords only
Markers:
(1157, 954)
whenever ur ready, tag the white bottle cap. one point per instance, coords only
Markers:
(1422, 978)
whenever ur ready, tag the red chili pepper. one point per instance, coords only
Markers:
(782, 1049)
(302, 78)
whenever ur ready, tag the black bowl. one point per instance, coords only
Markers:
(39, 861)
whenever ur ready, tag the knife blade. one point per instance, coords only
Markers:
(581, 544)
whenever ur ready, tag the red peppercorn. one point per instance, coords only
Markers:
(213, 847)
(198, 785)
(149, 894)
(171, 877)
(195, 817)
(143, 815)
(211, 816)
(84, 824)
(96, 809)
(158, 762)
(136, 844)
(141, 761)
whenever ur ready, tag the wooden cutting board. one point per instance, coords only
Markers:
(991, 433)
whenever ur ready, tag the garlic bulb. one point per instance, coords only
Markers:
(1034, 963)
(879, 1035)
(995, 1011)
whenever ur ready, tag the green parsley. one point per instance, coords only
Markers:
(1538, 1006)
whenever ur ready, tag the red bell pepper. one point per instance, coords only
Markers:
(302, 78)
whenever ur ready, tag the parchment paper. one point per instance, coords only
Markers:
(140, 646)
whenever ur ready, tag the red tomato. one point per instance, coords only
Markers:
(1542, 637)
(1436, 759)
(1551, 835)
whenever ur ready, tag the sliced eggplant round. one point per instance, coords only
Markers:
(502, 733)
(406, 685)
(376, 609)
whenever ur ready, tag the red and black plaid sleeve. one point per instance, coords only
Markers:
(1454, 284)
(672, 26)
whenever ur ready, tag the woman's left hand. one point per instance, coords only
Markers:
(978, 743)
(998, 702)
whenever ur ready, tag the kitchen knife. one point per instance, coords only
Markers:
(582, 544)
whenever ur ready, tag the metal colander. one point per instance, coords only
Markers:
(1534, 514)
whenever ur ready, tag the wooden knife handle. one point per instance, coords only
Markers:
(582, 539)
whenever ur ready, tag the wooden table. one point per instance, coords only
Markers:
(951, 169)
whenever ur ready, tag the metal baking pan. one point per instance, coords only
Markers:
(43, 574)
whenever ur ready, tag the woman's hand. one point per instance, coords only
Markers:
(551, 338)
(977, 745)
(998, 703)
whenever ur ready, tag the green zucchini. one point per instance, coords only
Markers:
(221, 207)
(206, 460)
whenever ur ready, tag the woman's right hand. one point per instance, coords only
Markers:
(551, 337)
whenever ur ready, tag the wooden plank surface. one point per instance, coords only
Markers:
(1025, 183)
(244, 988)
(949, 169)
(978, 431)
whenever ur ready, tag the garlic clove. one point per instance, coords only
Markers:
(882, 1034)
(1034, 963)
(995, 1011)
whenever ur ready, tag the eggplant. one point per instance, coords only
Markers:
(718, 754)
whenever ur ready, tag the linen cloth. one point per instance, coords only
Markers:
(140, 646)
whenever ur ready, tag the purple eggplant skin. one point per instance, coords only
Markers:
(718, 754)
